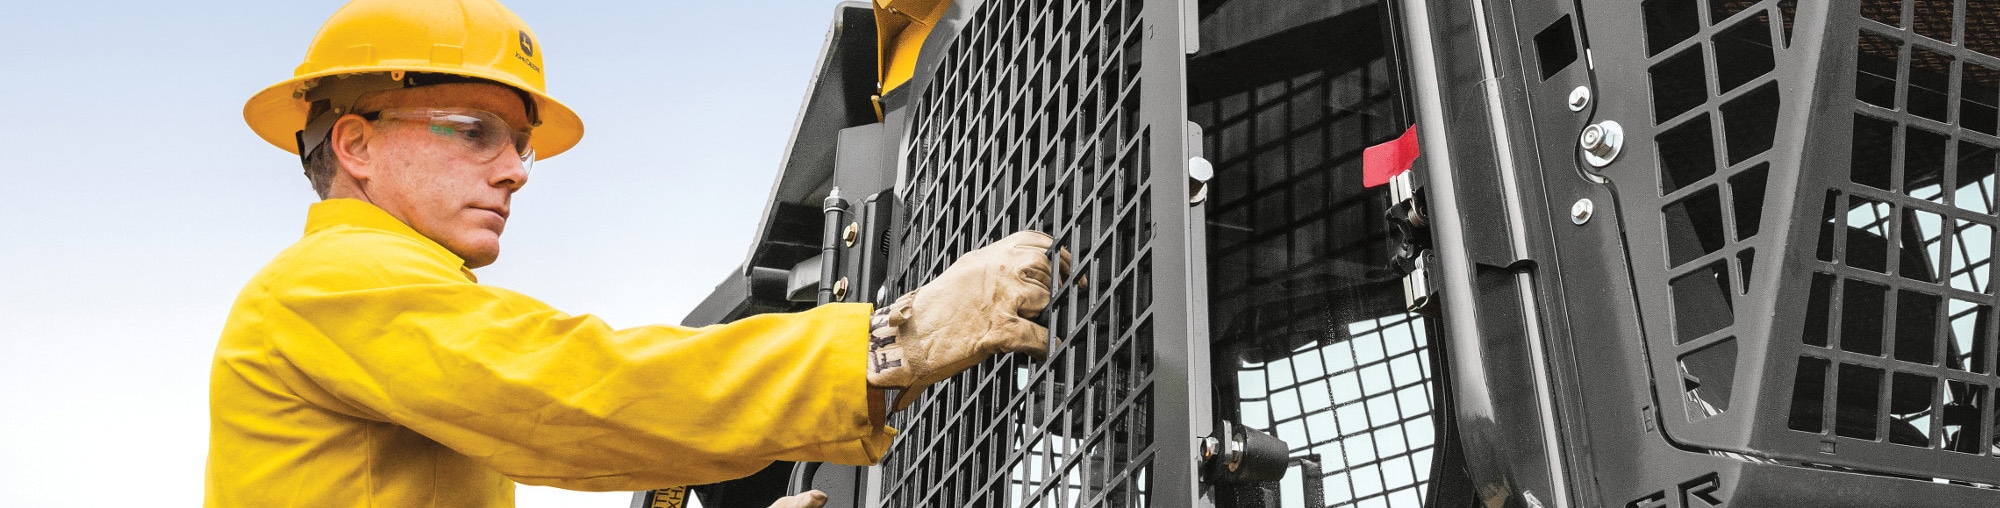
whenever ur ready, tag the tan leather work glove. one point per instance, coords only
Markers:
(807, 499)
(980, 306)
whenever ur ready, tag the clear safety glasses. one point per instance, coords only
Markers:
(483, 133)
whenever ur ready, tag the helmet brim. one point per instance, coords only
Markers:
(275, 115)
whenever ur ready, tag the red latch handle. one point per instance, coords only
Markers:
(1382, 162)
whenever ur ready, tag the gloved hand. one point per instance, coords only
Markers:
(980, 306)
(807, 499)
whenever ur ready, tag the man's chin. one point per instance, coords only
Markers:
(480, 252)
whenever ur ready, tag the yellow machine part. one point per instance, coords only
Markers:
(900, 29)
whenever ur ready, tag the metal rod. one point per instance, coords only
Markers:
(829, 245)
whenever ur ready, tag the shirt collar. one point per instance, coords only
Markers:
(362, 214)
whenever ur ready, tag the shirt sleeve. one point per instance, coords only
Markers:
(391, 332)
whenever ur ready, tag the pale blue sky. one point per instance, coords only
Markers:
(134, 203)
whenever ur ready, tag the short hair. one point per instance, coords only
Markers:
(321, 167)
(321, 164)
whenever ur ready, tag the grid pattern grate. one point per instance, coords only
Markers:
(1716, 130)
(1899, 322)
(1313, 344)
(1884, 232)
(1031, 122)
(1363, 405)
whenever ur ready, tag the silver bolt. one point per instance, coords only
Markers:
(1579, 98)
(1580, 212)
(1210, 447)
(1235, 454)
(1601, 142)
(1200, 169)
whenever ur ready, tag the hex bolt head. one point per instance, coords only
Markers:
(1200, 170)
(1580, 212)
(1593, 138)
(1579, 98)
(1601, 142)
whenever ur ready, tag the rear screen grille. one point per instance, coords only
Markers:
(1899, 320)
(1031, 122)
(1829, 255)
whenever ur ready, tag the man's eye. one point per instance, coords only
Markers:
(472, 133)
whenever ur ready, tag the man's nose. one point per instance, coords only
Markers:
(511, 173)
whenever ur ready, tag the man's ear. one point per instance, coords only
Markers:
(351, 141)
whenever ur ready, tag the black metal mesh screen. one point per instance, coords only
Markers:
(1031, 122)
(1362, 404)
(1716, 131)
(1312, 343)
(1861, 301)
(1899, 318)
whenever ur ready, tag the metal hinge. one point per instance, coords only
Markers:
(1238, 455)
(1410, 231)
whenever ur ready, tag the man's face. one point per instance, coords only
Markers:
(436, 185)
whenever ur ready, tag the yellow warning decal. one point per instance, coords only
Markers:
(671, 497)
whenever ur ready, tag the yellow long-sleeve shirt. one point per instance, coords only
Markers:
(365, 366)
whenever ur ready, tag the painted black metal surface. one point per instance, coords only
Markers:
(1780, 294)
(1781, 297)
(1063, 116)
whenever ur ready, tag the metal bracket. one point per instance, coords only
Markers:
(1239, 455)
(1410, 229)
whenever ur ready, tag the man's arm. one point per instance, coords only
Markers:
(566, 400)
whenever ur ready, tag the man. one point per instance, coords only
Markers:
(365, 366)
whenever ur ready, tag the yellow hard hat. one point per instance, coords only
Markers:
(393, 42)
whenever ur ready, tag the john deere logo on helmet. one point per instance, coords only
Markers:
(527, 54)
